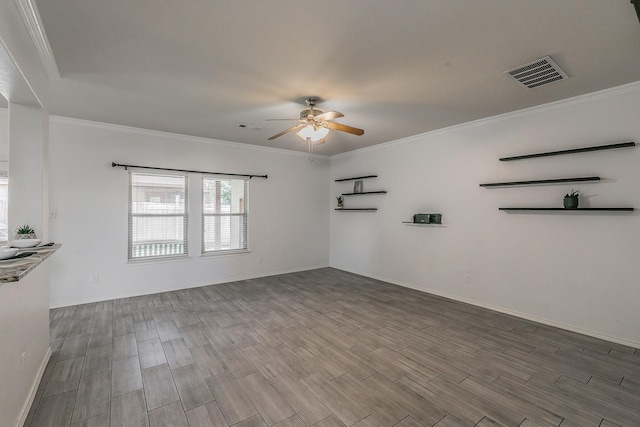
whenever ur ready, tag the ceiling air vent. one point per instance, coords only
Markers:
(537, 73)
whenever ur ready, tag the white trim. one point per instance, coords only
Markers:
(33, 22)
(189, 138)
(498, 309)
(24, 413)
(190, 286)
(580, 99)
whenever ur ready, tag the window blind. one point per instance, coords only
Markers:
(224, 215)
(158, 219)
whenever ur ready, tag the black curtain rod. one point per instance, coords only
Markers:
(118, 165)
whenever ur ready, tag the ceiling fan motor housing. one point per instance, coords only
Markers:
(306, 113)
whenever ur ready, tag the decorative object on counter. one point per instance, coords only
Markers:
(25, 243)
(6, 253)
(571, 199)
(25, 232)
(340, 200)
(358, 187)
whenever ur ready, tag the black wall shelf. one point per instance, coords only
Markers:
(569, 210)
(417, 224)
(356, 177)
(571, 151)
(357, 209)
(364, 193)
(541, 181)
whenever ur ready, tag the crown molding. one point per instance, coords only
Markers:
(190, 138)
(31, 18)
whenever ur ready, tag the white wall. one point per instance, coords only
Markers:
(288, 217)
(577, 270)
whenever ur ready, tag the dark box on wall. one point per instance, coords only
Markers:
(421, 218)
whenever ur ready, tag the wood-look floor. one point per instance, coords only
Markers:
(324, 348)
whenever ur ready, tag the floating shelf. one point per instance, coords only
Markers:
(357, 209)
(364, 193)
(417, 224)
(356, 177)
(571, 151)
(569, 209)
(542, 181)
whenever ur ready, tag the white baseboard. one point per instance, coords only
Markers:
(34, 389)
(514, 313)
(179, 287)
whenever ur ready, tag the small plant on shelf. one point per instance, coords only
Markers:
(340, 200)
(25, 232)
(571, 199)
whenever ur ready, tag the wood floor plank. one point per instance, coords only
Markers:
(343, 407)
(124, 346)
(208, 360)
(96, 360)
(126, 376)
(262, 360)
(74, 346)
(93, 397)
(55, 411)
(151, 353)
(236, 361)
(232, 400)
(123, 325)
(192, 388)
(159, 388)
(306, 404)
(208, 415)
(65, 376)
(145, 330)
(270, 405)
(177, 353)
(171, 415)
(381, 408)
(417, 407)
(129, 410)
(101, 420)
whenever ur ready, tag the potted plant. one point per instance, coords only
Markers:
(25, 232)
(340, 200)
(571, 199)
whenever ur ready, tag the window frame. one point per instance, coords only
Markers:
(184, 215)
(244, 214)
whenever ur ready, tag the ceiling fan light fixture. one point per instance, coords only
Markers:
(316, 134)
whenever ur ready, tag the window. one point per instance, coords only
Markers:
(224, 215)
(4, 207)
(157, 215)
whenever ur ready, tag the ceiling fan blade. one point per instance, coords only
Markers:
(291, 129)
(329, 115)
(344, 128)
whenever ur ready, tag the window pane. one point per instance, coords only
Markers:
(158, 218)
(224, 208)
(157, 194)
(223, 196)
(224, 232)
(4, 208)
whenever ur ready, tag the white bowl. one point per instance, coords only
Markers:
(25, 243)
(7, 252)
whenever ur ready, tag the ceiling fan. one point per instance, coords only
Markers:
(314, 125)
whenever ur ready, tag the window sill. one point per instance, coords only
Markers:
(216, 254)
(158, 260)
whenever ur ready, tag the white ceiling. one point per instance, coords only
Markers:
(393, 68)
